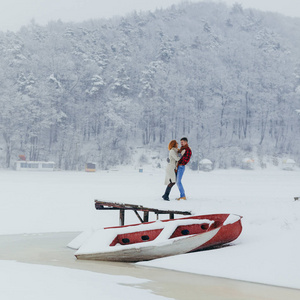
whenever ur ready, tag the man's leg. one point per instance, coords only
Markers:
(180, 172)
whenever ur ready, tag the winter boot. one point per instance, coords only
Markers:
(167, 193)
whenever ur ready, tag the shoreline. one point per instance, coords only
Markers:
(50, 249)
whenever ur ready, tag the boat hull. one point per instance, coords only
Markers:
(227, 233)
(167, 248)
(139, 242)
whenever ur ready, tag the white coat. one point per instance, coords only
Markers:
(170, 170)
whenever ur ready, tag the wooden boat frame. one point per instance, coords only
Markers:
(122, 207)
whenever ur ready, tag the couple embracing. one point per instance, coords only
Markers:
(178, 158)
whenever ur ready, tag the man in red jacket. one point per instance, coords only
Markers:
(181, 165)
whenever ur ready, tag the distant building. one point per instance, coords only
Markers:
(22, 165)
(248, 163)
(90, 167)
(288, 164)
(205, 165)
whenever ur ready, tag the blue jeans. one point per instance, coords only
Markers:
(180, 172)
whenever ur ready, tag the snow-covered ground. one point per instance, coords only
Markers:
(35, 282)
(267, 251)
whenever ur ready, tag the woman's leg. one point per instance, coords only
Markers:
(168, 190)
(171, 184)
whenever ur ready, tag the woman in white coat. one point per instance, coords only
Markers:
(170, 178)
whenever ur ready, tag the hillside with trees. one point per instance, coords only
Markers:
(228, 78)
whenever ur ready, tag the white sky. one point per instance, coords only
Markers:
(16, 13)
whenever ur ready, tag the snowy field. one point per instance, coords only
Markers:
(267, 251)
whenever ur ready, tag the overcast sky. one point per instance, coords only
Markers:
(16, 13)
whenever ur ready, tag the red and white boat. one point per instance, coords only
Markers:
(157, 239)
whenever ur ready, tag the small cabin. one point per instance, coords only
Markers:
(90, 167)
(205, 165)
(288, 164)
(22, 165)
(248, 163)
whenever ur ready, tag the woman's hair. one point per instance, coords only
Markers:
(173, 144)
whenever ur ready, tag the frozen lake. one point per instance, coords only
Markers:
(38, 208)
(49, 249)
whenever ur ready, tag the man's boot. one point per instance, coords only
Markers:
(167, 193)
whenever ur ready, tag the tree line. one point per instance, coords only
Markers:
(226, 77)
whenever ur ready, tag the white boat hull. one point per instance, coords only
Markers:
(150, 250)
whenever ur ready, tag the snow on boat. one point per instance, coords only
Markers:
(146, 241)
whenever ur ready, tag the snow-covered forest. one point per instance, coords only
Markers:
(228, 78)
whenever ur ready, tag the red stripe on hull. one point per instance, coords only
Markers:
(136, 237)
(226, 234)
